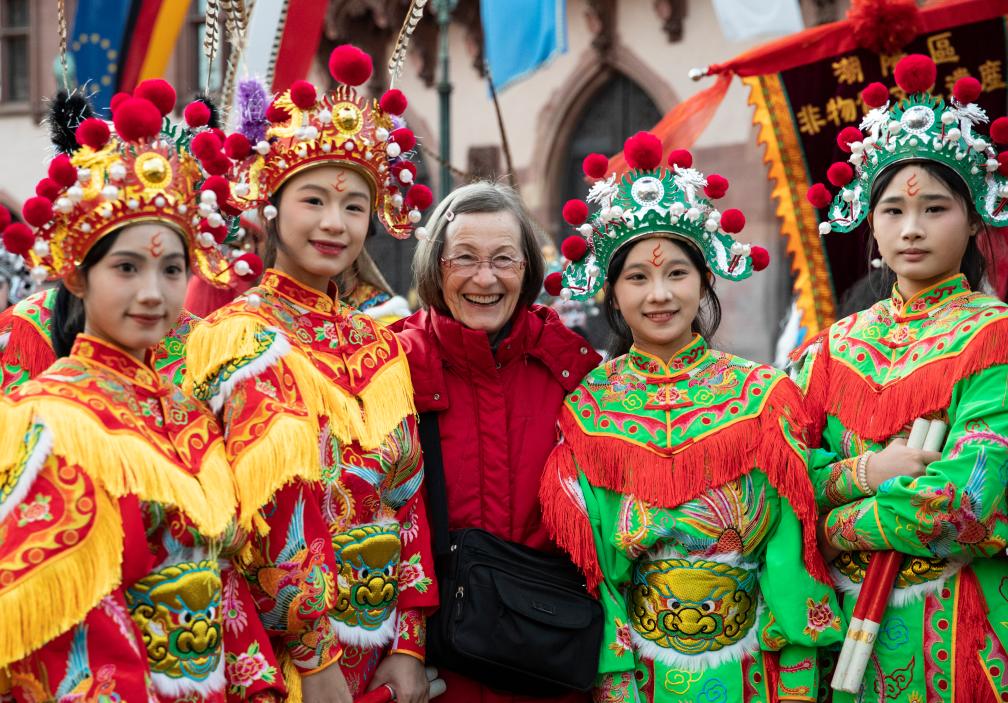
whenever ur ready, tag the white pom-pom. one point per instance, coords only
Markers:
(240, 233)
(856, 159)
(739, 249)
(117, 171)
(204, 209)
(183, 208)
(75, 193)
(326, 147)
(615, 212)
(954, 134)
(693, 214)
(585, 230)
(869, 141)
(992, 165)
(262, 147)
(1003, 190)
(825, 228)
(397, 200)
(947, 118)
(421, 233)
(393, 150)
(979, 144)
(415, 216)
(677, 209)
(406, 176)
(269, 212)
(215, 219)
(39, 274)
(242, 268)
(205, 239)
(63, 204)
(847, 194)
(241, 189)
(381, 134)
(605, 214)
(85, 227)
(324, 116)
(159, 201)
(895, 127)
(83, 175)
(41, 247)
(711, 225)
(209, 197)
(877, 263)
(566, 293)
(132, 203)
(253, 300)
(593, 270)
(311, 132)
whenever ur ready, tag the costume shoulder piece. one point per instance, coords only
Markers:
(61, 539)
(28, 351)
(115, 419)
(905, 356)
(664, 432)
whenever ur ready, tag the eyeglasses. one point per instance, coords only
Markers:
(502, 265)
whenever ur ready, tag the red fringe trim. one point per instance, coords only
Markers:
(971, 684)
(28, 349)
(818, 383)
(669, 480)
(877, 413)
(566, 524)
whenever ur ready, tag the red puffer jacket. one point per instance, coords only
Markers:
(497, 420)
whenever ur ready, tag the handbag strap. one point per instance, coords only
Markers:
(437, 495)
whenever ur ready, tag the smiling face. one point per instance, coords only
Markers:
(323, 217)
(133, 295)
(658, 294)
(922, 229)
(484, 297)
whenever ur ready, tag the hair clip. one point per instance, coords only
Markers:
(449, 215)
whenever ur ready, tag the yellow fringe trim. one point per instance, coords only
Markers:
(218, 341)
(292, 678)
(15, 420)
(58, 595)
(126, 464)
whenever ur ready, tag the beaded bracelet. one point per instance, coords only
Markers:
(861, 474)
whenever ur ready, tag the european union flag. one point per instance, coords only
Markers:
(521, 35)
(96, 44)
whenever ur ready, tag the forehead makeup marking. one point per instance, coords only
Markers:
(657, 257)
(340, 185)
(912, 187)
(156, 247)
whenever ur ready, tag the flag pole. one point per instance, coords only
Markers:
(444, 9)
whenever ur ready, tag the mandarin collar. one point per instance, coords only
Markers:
(926, 301)
(119, 362)
(471, 348)
(681, 362)
(300, 294)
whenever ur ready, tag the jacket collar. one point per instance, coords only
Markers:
(115, 360)
(683, 361)
(300, 294)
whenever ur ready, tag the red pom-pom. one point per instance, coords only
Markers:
(216, 164)
(553, 283)
(846, 136)
(158, 91)
(884, 26)
(196, 114)
(575, 212)
(92, 132)
(840, 173)
(393, 102)
(400, 167)
(915, 73)
(277, 114)
(875, 95)
(219, 133)
(117, 99)
(1003, 163)
(681, 158)
(48, 189)
(404, 138)
(62, 171)
(137, 119)
(350, 65)
(303, 94)
(574, 248)
(966, 90)
(254, 263)
(204, 144)
(732, 221)
(219, 185)
(819, 196)
(716, 187)
(760, 258)
(5, 218)
(999, 130)
(595, 165)
(642, 151)
(18, 238)
(419, 197)
(37, 211)
(219, 233)
(237, 146)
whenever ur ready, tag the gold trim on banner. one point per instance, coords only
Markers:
(799, 223)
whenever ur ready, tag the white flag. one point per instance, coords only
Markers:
(742, 20)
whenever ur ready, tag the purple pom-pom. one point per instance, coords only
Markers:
(252, 103)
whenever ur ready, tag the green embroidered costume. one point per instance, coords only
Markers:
(680, 489)
(941, 354)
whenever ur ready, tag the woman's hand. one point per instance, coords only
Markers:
(326, 686)
(406, 676)
(897, 459)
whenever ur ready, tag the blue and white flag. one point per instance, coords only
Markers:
(519, 36)
(96, 45)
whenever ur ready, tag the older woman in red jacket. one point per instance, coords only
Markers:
(495, 368)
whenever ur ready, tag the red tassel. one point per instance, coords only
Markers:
(971, 684)
(818, 384)
(28, 348)
(878, 412)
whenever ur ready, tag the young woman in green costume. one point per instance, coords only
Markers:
(937, 348)
(680, 485)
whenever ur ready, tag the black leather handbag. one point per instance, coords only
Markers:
(511, 617)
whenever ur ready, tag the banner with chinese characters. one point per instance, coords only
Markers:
(799, 112)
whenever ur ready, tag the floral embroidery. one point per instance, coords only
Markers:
(246, 668)
(411, 575)
(235, 619)
(409, 529)
(623, 643)
(820, 618)
(35, 511)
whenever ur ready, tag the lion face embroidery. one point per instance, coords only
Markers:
(368, 560)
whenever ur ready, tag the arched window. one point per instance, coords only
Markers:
(618, 109)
